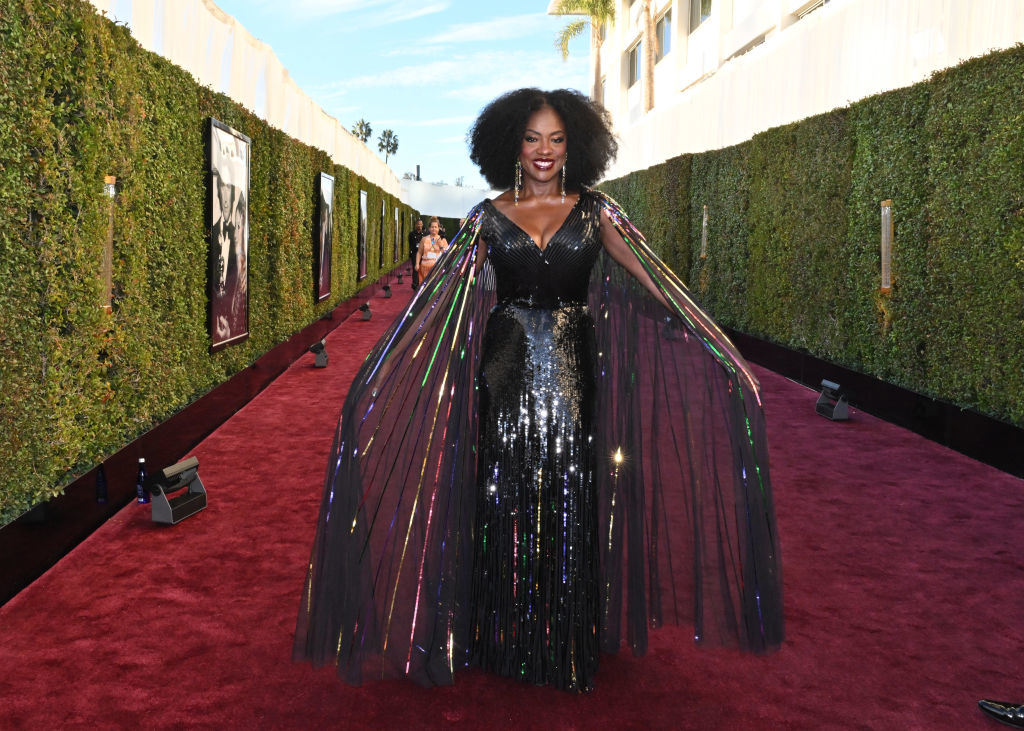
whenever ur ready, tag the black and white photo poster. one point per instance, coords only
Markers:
(228, 206)
(323, 237)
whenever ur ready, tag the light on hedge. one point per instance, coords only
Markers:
(886, 246)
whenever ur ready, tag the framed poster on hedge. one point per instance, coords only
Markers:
(323, 235)
(362, 234)
(228, 218)
(380, 250)
(398, 239)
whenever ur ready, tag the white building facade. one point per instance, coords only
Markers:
(728, 69)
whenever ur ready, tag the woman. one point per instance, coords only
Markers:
(550, 452)
(431, 247)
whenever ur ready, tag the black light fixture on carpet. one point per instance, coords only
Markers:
(183, 477)
(399, 276)
(365, 309)
(387, 291)
(320, 351)
(833, 402)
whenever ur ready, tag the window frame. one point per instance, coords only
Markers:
(665, 23)
(634, 61)
(697, 16)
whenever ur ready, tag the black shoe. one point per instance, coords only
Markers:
(1012, 714)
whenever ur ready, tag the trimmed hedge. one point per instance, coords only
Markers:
(886, 332)
(794, 229)
(975, 252)
(79, 99)
(720, 180)
(657, 202)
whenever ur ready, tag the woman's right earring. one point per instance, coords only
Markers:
(518, 182)
(564, 160)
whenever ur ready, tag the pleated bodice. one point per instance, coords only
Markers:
(558, 274)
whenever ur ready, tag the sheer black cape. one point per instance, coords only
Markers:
(687, 524)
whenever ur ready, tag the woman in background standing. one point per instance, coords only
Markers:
(431, 247)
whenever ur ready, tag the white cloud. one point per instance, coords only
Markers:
(496, 29)
(461, 75)
(417, 75)
(374, 12)
(523, 69)
(318, 8)
(442, 122)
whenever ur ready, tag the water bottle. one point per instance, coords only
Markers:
(101, 486)
(141, 494)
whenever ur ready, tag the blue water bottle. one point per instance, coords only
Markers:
(141, 494)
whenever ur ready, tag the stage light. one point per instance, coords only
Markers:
(365, 309)
(832, 402)
(320, 351)
(387, 291)
(181, 476)
(399, 277)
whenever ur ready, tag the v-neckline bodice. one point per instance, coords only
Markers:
(551, 238)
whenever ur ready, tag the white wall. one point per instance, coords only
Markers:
(220, 53)
(706, 97)
(434, 199)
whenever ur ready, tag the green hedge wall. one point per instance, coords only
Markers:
(975, 278)
(794, 229)
(720, 180)
(886, 332)
(657, 202)
(79, 99)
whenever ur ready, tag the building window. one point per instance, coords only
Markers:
(700, 10)
(634, 65)
(663, 36)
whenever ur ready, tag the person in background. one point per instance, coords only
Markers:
(431, 247)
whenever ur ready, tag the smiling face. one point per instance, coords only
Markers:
(542, 152)
(434, 228)
(224, 194)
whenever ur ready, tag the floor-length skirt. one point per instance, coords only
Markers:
(536, 593)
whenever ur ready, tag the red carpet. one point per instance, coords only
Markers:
(904, 595)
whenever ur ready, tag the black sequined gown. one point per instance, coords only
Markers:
(500, 494)
(535, 575)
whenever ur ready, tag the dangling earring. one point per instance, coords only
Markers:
(518, 182)
(564, 161)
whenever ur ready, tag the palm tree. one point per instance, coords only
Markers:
(648, 57)
(362, 130)
(388, 144)
(600, 13)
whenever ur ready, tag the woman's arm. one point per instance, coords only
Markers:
(620, 252)
(419, 253)
(482, 257)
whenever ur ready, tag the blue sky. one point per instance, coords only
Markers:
(422, 68)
